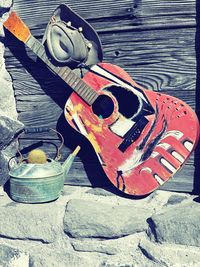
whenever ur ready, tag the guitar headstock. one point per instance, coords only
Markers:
(17, 27)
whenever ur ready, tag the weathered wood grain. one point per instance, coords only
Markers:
(38, 111)
(39, 10)
(158, 60)
(154, 41)
(42, 111)
(164, 59)
(104, 15)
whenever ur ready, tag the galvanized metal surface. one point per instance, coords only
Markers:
(31, 190)
(37, 183)
(36, 170)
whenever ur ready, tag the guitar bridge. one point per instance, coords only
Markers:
(133, 134)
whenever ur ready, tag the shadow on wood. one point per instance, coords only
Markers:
(58, 94)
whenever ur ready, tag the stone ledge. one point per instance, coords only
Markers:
(92, 219)
(11, 257)
(170, 255)
(9, 125)
(37, 230)
(62, 259)
(127, 244)
(32, 222)
(179, 225)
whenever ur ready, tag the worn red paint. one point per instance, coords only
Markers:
(141, 179)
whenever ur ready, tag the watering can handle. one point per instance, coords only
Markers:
(40, 130)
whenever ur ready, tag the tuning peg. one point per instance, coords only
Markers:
(69, 23)
(89, 45)
(80, 29)
(53, 19)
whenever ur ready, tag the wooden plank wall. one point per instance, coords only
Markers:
(155, 41)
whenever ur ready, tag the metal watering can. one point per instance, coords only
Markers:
(36, 182)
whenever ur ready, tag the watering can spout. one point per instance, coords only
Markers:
(68, 162)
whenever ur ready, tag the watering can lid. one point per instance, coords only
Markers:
(35, 171)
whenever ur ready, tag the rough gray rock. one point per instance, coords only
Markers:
(60, 259)
(5, 155)
(5, 3)
(68, 190)
(99, 192)
(111, 247)
(29, 227)
(136, 259)
(4, 171)
(7, 103)
(93, 219)
(2, 66)
(32, 222)
(176, 199)
(10, 257)
(171, 255)
(9, 125)
(179, 225)
(8, 128)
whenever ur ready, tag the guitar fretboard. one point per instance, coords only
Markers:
(88, 94)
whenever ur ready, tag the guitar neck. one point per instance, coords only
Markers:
(20, 30)
(65, 73)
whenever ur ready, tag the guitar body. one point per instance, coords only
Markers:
(141, 139)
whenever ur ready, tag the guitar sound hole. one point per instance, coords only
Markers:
(128, 102)
(103, 106)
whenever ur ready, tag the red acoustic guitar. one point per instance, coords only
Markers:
(140, 137)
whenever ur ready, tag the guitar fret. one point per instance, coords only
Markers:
(82, 93)
(70, 79)
(43, 56)
(87, 97)
(61, 71)
(41, 52)
(79, 88)
(95, 95)
(79, 85)
(36, 47)
(92, 96)
(65, 76)
(87, 92)
(83, 90)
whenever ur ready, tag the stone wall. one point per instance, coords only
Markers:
(94, 228)
(9, 125)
